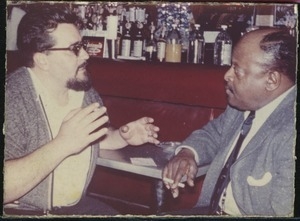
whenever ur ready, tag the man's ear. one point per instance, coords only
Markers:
(273, 80)
(40, 60)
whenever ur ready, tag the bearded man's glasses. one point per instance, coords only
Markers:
(75, 48)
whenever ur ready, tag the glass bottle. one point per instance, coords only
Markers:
(126, 41)
(161, 44)
(196, 47)
(119, 37)
(173, 47)
(138, 41)
(151, 45)
(223, 48)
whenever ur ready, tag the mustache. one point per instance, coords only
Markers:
(83, 65)
(228, 87)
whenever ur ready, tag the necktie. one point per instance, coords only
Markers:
(224, 176)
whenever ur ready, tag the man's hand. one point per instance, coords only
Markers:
(183, 164)
(80, 128)
(140, 131)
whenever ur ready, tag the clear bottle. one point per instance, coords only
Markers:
(173, 47)
(161, 44)
(151, 45)
(126, 41)
(138, 41)
(196, 47)
(223, 48)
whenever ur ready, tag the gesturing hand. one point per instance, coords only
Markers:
(183, 164)
(140, 131)
(79, 128)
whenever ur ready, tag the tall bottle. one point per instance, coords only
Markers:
(196, 47)
(138, 41)
(161, 44)
(223, 48)
(126, 41)
(173, 47)
(118, 40)
(151, 45)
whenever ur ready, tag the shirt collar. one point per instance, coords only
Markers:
(266, 110)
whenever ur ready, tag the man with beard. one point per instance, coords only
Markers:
(251, 172)
(56, 122)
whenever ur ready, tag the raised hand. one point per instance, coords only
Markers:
(80, 128)
(140, 131)
(183, 164)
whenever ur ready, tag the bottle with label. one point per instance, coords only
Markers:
(138, 41)
(151, 45)
(223, 48)
(161, 44)
(126, 41)
(196, 47)
(173, 46)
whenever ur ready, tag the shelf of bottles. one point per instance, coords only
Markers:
(170, 34)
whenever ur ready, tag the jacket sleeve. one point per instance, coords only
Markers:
(25, 127)
(14, 128)
(208, 140)
(14, 134)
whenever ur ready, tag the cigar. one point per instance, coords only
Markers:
(172, 181)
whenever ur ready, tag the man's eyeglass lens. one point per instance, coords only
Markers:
(74, 48)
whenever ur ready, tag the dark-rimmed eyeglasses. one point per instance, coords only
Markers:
(75, 48)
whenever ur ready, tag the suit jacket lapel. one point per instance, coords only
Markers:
(269, 124)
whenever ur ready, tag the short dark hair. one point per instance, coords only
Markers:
(37, 24)
(282, 48)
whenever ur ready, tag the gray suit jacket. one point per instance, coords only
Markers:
(262, 178)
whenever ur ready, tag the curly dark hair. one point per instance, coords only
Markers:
(282, 50)
(37, 24)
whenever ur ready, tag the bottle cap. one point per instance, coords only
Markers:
(224, 27)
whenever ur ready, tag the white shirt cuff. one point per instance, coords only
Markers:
(190, 148)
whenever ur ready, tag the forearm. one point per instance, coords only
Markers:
(113, 140)
(207, 140)
(23, 174)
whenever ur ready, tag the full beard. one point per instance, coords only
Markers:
(80, 84)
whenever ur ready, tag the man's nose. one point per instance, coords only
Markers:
(229, 74)
(83, 54)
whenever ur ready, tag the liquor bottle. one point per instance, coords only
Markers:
(138, 41)
(126, 41)
(173, 46)
(223, 48)
(151, 54)
(161, 44)
(88, 17)
(196, 47)
(119, 37)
